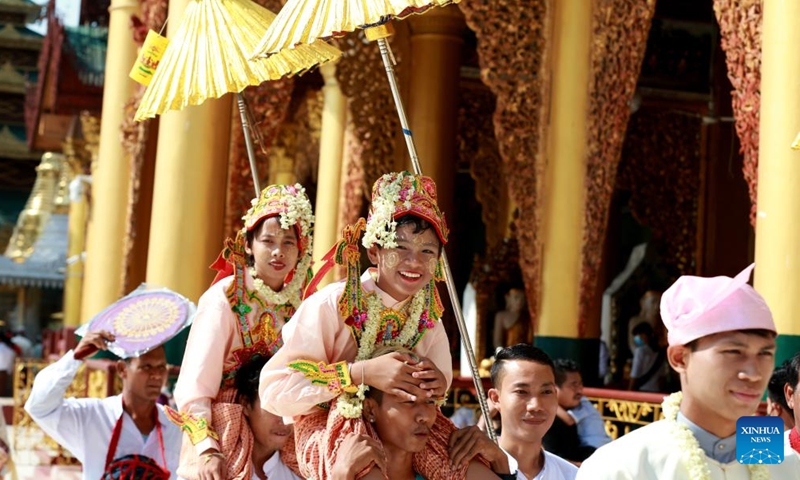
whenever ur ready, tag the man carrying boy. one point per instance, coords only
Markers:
(722, 344)
(328, 344)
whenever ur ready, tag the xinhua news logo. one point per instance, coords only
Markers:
(759, 440)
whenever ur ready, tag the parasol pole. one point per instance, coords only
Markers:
(380, 34)
(248, 141)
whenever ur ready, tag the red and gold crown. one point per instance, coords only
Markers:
(290, 204)
(395, 195)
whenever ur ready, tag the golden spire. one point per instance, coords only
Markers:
(38, 209)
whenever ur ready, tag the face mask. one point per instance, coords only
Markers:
(637, 340)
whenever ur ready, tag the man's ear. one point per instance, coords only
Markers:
(494, 397)
(122, 369)
(370, 406)
(247, 407)
(372, 254)
(678, 356)
(788, 392)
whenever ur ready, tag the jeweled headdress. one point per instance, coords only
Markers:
(290, 203)
(395, 195)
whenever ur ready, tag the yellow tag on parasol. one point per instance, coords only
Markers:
(149, 56)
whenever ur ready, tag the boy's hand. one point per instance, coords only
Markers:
(391, 373)
(433, 380)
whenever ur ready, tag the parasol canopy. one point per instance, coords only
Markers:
(142, 320)
(208, 56)
(303, 22)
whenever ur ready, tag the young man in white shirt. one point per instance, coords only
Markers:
(86, 426)
(272, 451)
(722, 344)
(524, 394)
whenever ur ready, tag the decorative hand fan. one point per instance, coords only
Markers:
(140, 321)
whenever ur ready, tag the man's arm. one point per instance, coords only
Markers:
(62, 419)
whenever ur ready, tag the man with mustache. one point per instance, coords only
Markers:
(128, 432)
(722, 344)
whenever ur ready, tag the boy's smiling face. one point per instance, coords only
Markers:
(406, 269)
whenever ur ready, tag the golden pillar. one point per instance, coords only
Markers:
(189, 191)
(331, 149)
(777, 275)
(436, 40)
(103, 273)
(565, 172)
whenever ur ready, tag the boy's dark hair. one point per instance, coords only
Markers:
(643, 328)
(246, 379)
(562, 367)
(779, 378)
(793, 371)
(760, 332)
(520, 351)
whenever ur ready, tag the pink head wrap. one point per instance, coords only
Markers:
(694, 307)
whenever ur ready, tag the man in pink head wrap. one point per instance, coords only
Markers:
(722, 344)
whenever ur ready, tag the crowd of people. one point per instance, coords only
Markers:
(281, 381)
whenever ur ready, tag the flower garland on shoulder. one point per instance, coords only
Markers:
(291, 293)
(350, 405)
(694, 456)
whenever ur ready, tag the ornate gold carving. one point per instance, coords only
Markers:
(664, 195)
(478, 145)
(373, 123)
(740, 28)
(269, 104)
(512, 48)
(626, 414)
(619, 38)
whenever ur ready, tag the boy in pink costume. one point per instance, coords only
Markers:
(327, 359)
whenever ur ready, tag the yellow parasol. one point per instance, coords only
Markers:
(301, 22)
(209, 56)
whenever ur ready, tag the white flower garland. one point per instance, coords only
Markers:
(694, 456)
(350, 405)
(381, 225)
(291, 293)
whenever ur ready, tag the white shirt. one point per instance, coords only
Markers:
(787, 446)
(553, 468)
(84, 426)
(7, 356)
(649, 453)
(275, 469)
